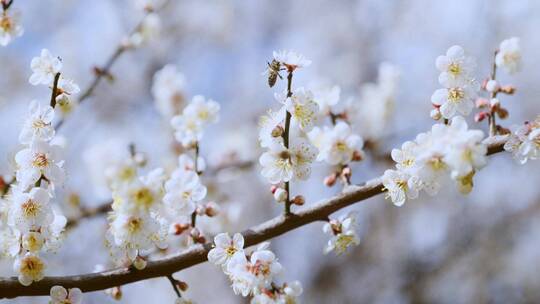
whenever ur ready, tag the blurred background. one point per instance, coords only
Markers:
(480, 248)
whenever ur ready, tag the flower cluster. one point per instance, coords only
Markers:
(46, 71)
(288, 158)
(337, 144)
(343, 234)
(10, 27)
(508, 57)
(136, 225)
(252, 274)
(459, 89)
(424, 164)
(32, 225)
(524, 142)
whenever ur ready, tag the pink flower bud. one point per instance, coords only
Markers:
(481, 103)
(330, 180)
(280, 195)
(480, 116)
(492, 86)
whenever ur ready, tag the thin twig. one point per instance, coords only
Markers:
(54, 93)
(286, 142)
(10, 287)
(174, 285)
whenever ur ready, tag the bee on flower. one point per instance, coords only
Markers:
(291, 60)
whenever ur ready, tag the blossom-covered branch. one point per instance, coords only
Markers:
(10, 287)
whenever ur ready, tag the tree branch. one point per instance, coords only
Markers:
(10, 287)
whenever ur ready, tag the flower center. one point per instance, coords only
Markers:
(455, 95)
(143, 197)
(230, 251)
(341, 146)
(6, 24)
(40, 160)
(437, 163)
(32, 266)
(454, 68)
(134, 225)
(30, 208)
(126, 173)
(38, 124)
(343, 241)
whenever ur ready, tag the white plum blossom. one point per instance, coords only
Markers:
(338, 145)
(199, 113)
(10, 28)
(205, 111)
(455, 66)
(59, 295)
(524, 142)
(291, 60)
(168, 90)
(30, 268)
(250, 275)
(287, 294)
(282, 165)
(38, 126)
(65, 90)
(183, 191)
(467, 152)
(44, 68)
(30, 211)
(509, 55)
(131, 234)
(225, 248)
(456, 98)
(141, 195)
(343, 234)
(303, 108)
(39, 160)
(400, 186)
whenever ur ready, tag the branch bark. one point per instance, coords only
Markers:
(10, 287)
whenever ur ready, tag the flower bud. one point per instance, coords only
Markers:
(280, 195)
(481, 103)
(502, 112)
(346, 172)
(211, 209)
(508, 89)
(435, 114)
(182, 285)
(273, 189)
(299, 200)
(140, 159)
(357, 156)
(481, 116)
(115, 293)
(330, 180)
(494, 102)
(139, 263)
(178, 229)
(492, 86)
(277, 131)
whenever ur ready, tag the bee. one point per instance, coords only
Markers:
(273, 72)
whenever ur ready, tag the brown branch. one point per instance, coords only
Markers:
(10, 287)
(54, 93)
